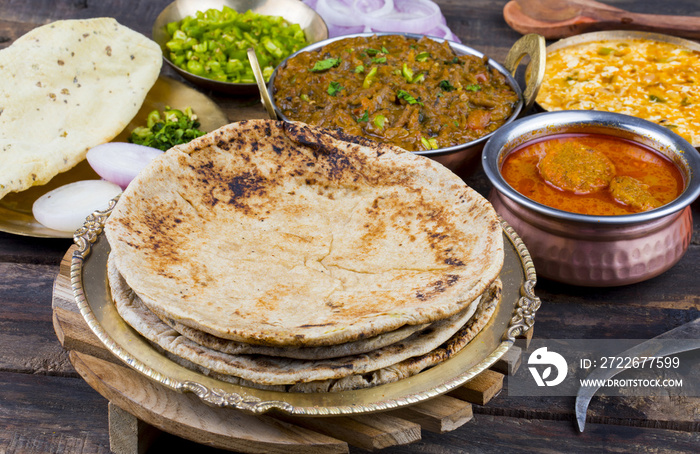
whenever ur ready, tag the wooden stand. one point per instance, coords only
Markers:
(139, 408)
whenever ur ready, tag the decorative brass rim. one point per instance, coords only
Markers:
(90, 240)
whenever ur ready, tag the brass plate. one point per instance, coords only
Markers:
(514, 315)
(16, 208)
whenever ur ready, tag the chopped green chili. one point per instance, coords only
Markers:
(213, 43)
(423, 56)
(379, 121)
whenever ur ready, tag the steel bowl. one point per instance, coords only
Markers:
(463, 158)
(589, 250)
(293, 11)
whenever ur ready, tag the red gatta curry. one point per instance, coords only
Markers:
(592, 174)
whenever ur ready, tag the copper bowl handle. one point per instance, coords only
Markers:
(260, 79)
(533, 45)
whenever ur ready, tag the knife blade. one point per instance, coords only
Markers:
(688, 333)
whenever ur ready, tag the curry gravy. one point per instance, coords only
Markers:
(656, 173)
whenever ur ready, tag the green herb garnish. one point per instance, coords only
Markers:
(164, 131)
(473, 87)
(371, 52)
(364, 117)
(445, 85)
(654, 98)
(334, 88)
(402, 94)
(379, 60)
(359, 69)
(323, 65)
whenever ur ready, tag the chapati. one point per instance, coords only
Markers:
(282, 234)
(66, 87)
(331, 351)
(273, 370)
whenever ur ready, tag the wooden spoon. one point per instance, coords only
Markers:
(556, 19)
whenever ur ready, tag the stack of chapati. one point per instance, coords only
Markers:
(287, 257)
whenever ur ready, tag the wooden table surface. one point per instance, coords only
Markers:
(46, 407)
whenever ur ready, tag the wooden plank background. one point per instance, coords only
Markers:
(46, 407)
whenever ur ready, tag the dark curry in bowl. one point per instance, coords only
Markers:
(418, 94)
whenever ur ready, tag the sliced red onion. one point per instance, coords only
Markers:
(408, 16)
(66, 207)
(345, 17)
(339, 12)
(120, 162)
(374, 7)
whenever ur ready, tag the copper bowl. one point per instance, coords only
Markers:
(587, 250)
(462, 158)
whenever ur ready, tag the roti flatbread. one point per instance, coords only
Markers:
(282, 234)
(67, 87)
(332, 351)
(273, 370)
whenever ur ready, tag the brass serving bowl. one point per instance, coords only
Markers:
(293, 11)
(463, 158)
(589, 250)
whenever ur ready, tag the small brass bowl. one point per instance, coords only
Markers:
(587, 250)
(293, 11)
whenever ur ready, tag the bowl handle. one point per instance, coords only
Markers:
(264, 95)
(533, 45)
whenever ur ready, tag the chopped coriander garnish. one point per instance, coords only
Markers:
(371, 51)
(379, 60)
(174, 127)
(323, 65)
(445, 85)
(402, 94)
(359, 69)
(334, 88)
(473, 87)
(364, 117)
(384, 50)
